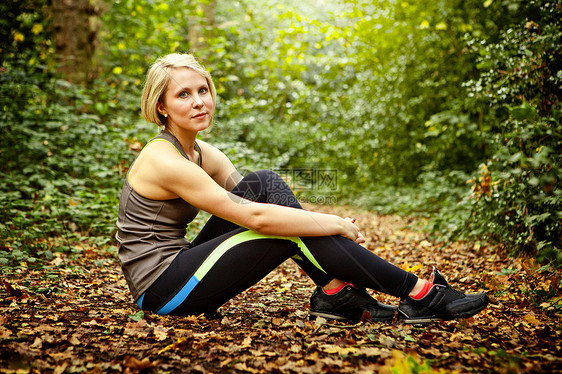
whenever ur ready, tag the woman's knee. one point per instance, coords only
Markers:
(262, 181)
(264, 176)
(269, 184)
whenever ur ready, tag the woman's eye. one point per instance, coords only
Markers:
(184, 94)
(203, 90)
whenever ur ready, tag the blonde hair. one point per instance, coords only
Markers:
(158, 78)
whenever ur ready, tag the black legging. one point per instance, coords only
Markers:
(225, 259)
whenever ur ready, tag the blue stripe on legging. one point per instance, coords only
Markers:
(180, 297)
(140, 300)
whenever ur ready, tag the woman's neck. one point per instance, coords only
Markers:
(187, 140)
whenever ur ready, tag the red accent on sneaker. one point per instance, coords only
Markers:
(424, 291)
(333, 291)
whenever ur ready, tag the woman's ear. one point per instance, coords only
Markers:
(160, 108)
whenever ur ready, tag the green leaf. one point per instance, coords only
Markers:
(523, 112)
(137, 316)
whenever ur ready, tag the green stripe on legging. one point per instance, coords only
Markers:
(216, 255)
(244, 237)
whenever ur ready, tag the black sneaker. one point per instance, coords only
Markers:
(350, 303)
(442, 302)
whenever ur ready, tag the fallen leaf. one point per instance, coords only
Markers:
(75, 339)
(136, 364)
(247, 342)
(532, 319)
(37, 343)
(161, 333)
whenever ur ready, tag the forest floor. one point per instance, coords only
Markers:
(75, 315)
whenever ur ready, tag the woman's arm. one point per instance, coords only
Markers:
(163, 173)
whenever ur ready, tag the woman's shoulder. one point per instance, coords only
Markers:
(210, 152)
(207, 146)
(158, 167)
(159, 147)
(159, 157)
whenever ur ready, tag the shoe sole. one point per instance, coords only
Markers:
(314, 315)
(428, 319)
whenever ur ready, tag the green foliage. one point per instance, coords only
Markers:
(404, 99)
(60, 165)
(24, 31)
(507, 118)
(135, 32)
(518, 197)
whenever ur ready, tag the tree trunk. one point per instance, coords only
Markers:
(201, 25)
(75, 38)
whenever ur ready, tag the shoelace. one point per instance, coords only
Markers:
(454, 291)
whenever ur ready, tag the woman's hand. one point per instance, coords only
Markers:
(353, 232)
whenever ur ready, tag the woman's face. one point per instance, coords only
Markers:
(187, 101)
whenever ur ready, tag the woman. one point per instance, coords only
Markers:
(257, 224)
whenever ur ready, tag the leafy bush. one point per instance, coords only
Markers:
(61, 166)
(518, 196)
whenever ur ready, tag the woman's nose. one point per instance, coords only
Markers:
(197, 102)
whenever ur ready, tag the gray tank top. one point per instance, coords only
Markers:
(151, 232)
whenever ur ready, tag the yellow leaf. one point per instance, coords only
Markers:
(487, 3)
(117, 70)
(167, 348)
(173, 345)
(37, 28)
(441, 26)
(18, 37)
(529, 318)
(424, 24)
(414, 268)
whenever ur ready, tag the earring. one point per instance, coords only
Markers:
(166, 115)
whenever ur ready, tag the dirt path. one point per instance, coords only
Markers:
(74, 315)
